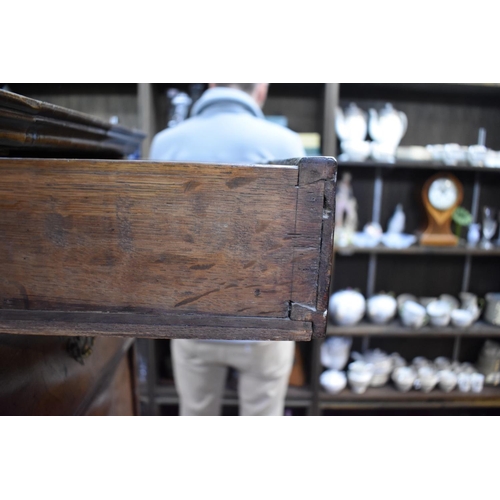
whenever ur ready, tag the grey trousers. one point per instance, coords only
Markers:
(200, 371)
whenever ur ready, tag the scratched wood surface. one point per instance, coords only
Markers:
(166, 240)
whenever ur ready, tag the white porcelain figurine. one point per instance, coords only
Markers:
(397, 221)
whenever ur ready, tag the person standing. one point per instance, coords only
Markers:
(227, 125)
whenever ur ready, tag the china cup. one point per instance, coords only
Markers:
(404, 378)
(439, 312)
(447, 380)
(464, 382)
(476, 382)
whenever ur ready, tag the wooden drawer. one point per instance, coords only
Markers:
(165, 250)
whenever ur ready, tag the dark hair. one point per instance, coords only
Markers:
(246, 87)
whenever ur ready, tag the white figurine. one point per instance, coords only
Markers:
(473, 234)
(346, 205)
(397, 221)
(346, 216)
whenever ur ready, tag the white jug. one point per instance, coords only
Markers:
(387, 126)
(352, 124)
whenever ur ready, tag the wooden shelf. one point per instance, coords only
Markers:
(389, 397)
(166, 394)
(396, 328)
(422, 165)
(451, 93)
(418, 250)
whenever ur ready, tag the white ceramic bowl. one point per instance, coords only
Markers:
(439, 312)
(398, 240)
(413, 314)
(427, 378)
(365, 240)
(335, 352)
(381, 308)
(403, 378)
(347, 307)
(461, 318)
(333, 381)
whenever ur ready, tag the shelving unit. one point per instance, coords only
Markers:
(389, 397)
(420, 270)
(437, 113)
(396, 329)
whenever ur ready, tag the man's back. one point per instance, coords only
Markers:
(226, 126)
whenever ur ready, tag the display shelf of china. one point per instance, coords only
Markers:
(396, 328)
(166, 394)
(388, 396)
(418, 250)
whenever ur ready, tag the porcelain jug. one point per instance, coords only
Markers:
(352, 124)
(387, 126)
(472, 303)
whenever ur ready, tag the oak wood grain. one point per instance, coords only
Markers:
(166, 238)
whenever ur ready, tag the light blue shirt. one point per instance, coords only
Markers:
(226, 126)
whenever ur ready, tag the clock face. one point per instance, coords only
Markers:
(442, 194)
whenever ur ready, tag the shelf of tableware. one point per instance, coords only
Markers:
(388, 396)
(418, 250)
(166, 394)
(396, 328)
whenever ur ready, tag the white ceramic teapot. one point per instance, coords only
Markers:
(387, 126)
(352, 124)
